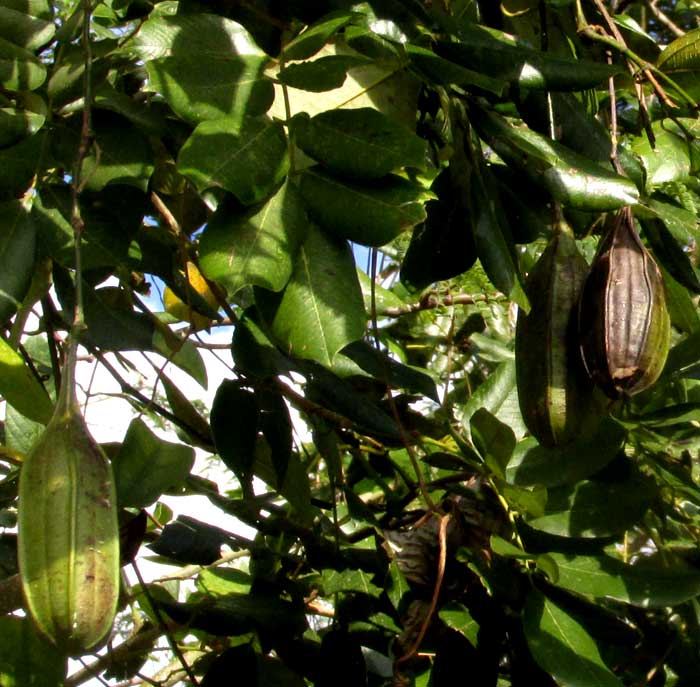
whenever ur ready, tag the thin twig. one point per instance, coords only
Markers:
(165, 629)
(663, 18)
(442, 562)
(431, 301)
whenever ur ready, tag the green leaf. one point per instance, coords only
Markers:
(20, 70)
(310, 41)
(362, 143)
(535, 464)
(17, 124)
(252, 349)
(493, 439)
(435, 70)
(371, 214)
(234, 422)
(20, 388)
(494, 246)
(17, 256)
(112, 218)
(670, 254)
(333, 582)
(397, 585)
(668, 160)
(572, 179)
(320, 310)
(655, 582)
(26, 659)
(386, 369)
(248, 160)
(18, 165)
(322, 74)
(562, 646)
(457, 616)
(205, 66)
(682, 54)
(146, 466)
(25, 30)
(596, 508)
(256, 247)
(491, 395)
(222, 581)
(499, 56)
(124, 155)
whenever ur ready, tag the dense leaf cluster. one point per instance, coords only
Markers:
(407, 527)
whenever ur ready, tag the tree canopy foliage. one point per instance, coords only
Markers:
(357, 192)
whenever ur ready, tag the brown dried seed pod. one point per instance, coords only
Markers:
(555, 393)
(624, 325)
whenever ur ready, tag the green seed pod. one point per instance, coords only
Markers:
(68, 535)
(554, 391)
(624, 324)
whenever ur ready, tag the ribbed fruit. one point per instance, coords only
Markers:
(554, 391)
(68, 536)
(624, 323)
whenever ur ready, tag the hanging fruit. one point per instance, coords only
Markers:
(68, 536)
(624, 325)
(555, 394)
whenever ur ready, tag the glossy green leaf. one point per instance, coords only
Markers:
(535, 464)
(457, 616)
(252, 349)
(17, 124)
(492, 394)
(443, 246)
(338, 395)
(577, 129)
(333, 582)
(572, 179)
(495, 248)
(493, 439)
(234, 423)
(321, 74)
(682, 54)
(146, 466)
(26, 659)
(653, 582)
(23, 29)
(562, 646)
(681, 307)
(205, 66)
(385, 369)
(320, 310)
(436, 70)
(596, 508)
(18, 165)
(112, 218)
(313, 38)
(17, 256)
(668, 160)
(20, 388)
(362, 143)
(20, 70)
(371, 214)
(249, 161)
(256, 247)
(671, 256)
(199, 433)
(499, 56)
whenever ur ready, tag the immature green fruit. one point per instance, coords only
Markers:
(68, 536)
(624, 323)
(554, 391)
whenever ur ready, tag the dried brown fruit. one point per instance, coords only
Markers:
(624, 323)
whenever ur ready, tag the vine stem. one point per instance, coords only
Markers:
(442, 563)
